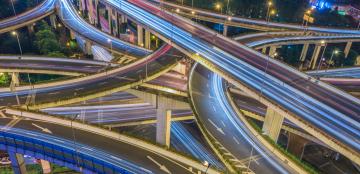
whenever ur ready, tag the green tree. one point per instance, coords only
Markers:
(56, 54)
(46, 40)
(4, 79)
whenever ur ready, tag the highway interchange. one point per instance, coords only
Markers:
(294, 92)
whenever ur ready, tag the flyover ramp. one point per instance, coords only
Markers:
(255, 24)
(29, 17)
(134, 150)
(51, 65)
(87, 87)
(303, 100)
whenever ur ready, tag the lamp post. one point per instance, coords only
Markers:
(272, 12)
(207, 165)
(74, 140)
(219, 7)
(268, 10)
(331, 58)
(227, 7)
(14, 33)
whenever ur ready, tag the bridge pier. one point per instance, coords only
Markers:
(93, 18)
(164, 105)
(140, 35)
(315, 56)
(15, 78)
(30, 28)
(263, 50)
(347, 49)
(272, 124)
(225, 30)
(17, 163)
(272, 51)
(45, 165)
(53, 20)
(109, 10)
(87, 48)
(163, 126)
(147, 39)
(303, 54)
(72, 35)
(296, 144)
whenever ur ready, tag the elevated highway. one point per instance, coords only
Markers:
(244, 68)
(236, 21)
(96, 85)
(136, 152)
(28, 18)
(50, 65)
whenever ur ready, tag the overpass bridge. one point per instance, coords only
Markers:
(191, 52)
(180, 37)
(135, 151)
(242, 22)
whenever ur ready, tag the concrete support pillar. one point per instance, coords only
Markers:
(147, 39)
(303, 55)
(15, 79)
(72, 35)
(45, 165)
(315, 56)
(272, 51)
(123, 19)
(225, 31)
(264, 49)
(140, 35)
(296, 144)
(30, 28)
(109, 11)
(17, 163)
(87, 48)
(272, 124)
(163, 125)
(53, 20)
(347, 49)
(304, 52)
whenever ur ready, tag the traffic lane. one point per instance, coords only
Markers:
(70, 17)
(117, 115)
(214, 119)
(346, 106)
(51, 65)
(171, 82)
(22, 19)
(350, 85)
(333, 119)
(120, 149)
(159, 60)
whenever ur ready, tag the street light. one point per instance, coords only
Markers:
(331, 58)
(268, 11)
(219, 7)
(207, 165)
(14, 33)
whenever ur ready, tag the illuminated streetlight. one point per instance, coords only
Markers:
(14, 33)
(219, 7)
(335, 52)
(177, 10)
(193, 12)
(268, 11)
(229, 18)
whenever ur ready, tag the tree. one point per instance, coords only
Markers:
(46, 40)
(56, 54)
